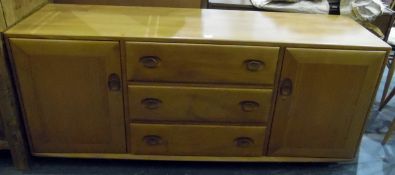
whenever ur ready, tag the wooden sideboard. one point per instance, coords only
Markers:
(192, 84)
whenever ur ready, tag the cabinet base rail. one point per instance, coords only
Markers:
(189, 158)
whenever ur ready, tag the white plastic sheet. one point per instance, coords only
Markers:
(297, 7)
(360, 10)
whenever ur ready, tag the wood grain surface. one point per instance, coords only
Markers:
(195, 26)
(210, 140)
(198, 104)
(68, 106)
(324, 113)
(201, 63)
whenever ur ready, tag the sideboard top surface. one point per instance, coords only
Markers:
(195, 26)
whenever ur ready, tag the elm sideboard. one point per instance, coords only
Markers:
(193, 84)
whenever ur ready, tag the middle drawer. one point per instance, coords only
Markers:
(198, 104)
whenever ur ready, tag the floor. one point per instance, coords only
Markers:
(373, 159)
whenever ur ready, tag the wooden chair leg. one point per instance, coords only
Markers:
(389, 132)
(387, 86)
(13, 129)
(388, 98)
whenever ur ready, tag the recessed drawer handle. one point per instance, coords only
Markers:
(152, 140)
(254, 65)
(150, 61)
(249, 106)
(151, 103)
(243, 142)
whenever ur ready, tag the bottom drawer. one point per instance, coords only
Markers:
(198, 140)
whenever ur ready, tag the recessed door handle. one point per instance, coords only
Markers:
(286, 87)
(114, 82)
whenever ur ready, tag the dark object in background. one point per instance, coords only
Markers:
(385, 22)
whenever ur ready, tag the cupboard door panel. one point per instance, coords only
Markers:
(68, 105)
(323, 101)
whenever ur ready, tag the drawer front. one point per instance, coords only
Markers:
(201, 63)
(198, 140)
(175, 103)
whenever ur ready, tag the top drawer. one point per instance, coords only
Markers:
(201, 63)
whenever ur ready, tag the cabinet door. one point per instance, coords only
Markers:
(323, 102)
(68, 103)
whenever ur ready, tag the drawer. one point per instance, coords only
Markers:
(201, 63)
(196, 140)
(179, 103)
